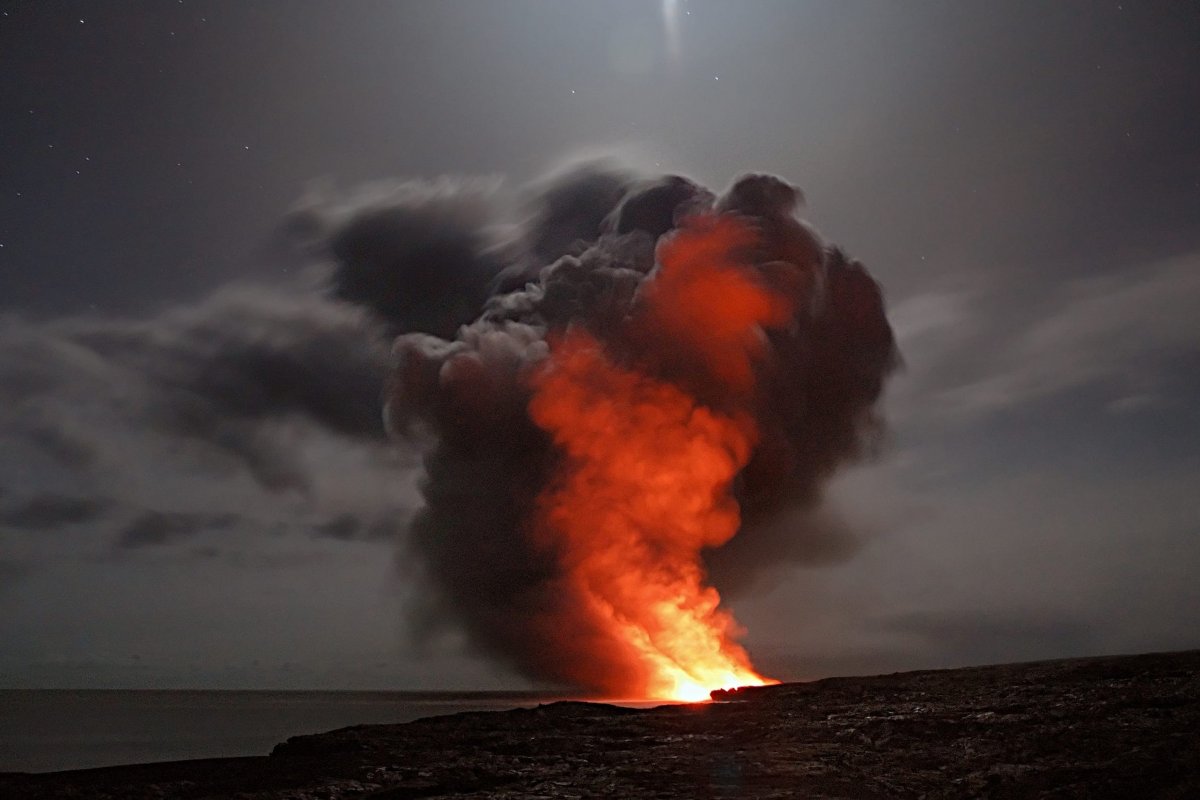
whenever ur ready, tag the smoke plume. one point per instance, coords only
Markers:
(651, 392)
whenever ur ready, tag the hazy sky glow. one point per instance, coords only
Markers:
(1023, 178)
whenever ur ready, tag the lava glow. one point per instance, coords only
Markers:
(648, 467)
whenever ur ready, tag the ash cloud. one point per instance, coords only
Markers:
(582, 261)
(565, 213)
(419, 255)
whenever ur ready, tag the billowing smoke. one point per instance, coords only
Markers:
(646, 390)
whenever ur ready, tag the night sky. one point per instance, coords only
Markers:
(1023, 179)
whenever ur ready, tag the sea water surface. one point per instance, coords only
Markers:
(49, 730)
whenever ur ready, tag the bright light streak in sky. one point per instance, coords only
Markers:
(670, 12)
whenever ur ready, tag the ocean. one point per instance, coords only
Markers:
(42, 731)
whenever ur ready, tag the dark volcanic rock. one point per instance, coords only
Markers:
(1118, 727)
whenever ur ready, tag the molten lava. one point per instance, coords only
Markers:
(649, 463)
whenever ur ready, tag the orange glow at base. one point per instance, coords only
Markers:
(646, 483)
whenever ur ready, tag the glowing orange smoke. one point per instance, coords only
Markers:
(648, 467)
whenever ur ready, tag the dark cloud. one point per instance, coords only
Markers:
(223, 374)
(353, 527)
(418, 255)
(800, 535)
(252, 354)
(344, 527)
(47, 511)
(69, 450)
(391, 527)
(825, 370)
(568, 211)
(566, 214)
(154, 528)
(656, 206)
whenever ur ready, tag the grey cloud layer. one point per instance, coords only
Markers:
(237, 403)
(977, 353)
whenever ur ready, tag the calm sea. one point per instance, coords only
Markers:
(41, 731)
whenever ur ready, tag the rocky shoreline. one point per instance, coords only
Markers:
(1119, 727)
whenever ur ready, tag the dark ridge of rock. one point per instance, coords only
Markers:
(1117, 727)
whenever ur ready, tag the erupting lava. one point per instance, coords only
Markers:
(649, 463)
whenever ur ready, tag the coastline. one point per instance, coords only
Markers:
(1117, 726)
(53, 730)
